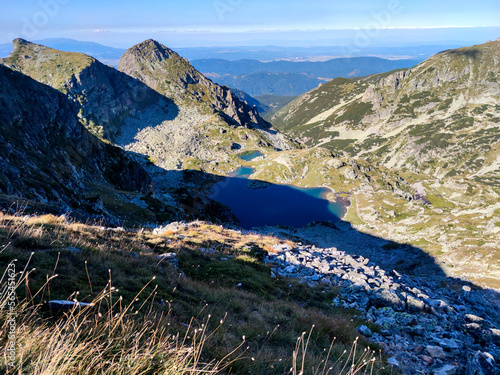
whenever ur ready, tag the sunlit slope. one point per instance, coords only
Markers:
(441, 117)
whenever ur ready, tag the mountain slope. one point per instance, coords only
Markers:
(441, 117)
(166, 72)
(107, 99)
(47, 155)
(186, 121)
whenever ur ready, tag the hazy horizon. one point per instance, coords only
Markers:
(199, 23)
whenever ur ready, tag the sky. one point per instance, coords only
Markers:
(188, 23)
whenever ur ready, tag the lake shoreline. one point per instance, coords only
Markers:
(256, 203)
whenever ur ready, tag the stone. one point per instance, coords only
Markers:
(169, 257)
(336, 163)
(414, 304)
(165, 256)
(174, 227)
(436, 352)
(447, 344)
(480, 363)
(495, 336)
(326, 281)
(388, 298)
(386, 322)
(428, 360)
(417, 330)
(315, 277)
(471, 318)
(446, 370)
(364, 330)
(350, 174)
(393, 362)
(439, 305)
(281, 247)
(66, 305)
(473, 328)
(357, 278)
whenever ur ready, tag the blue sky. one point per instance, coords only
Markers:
(226, 22)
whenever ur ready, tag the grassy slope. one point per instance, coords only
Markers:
(228, 283)
(441, 118)
(57, 69)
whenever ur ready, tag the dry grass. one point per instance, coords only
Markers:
(147, 327)
(100, 339)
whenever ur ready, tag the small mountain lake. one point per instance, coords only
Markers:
(257, 203)
(250, 155)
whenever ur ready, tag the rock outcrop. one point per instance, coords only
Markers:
(47, 155)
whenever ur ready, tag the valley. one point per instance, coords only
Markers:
(373, 199)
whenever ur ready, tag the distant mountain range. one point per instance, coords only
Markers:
(105, 54)
(291, 78)
(267, 105)
(316, 53)
(354, 67)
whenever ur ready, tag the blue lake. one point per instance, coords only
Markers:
(250, 155)
(256, 203)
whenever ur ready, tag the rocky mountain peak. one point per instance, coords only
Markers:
(153, 50)
(173, 76)
(19, 41)
(47, 65)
